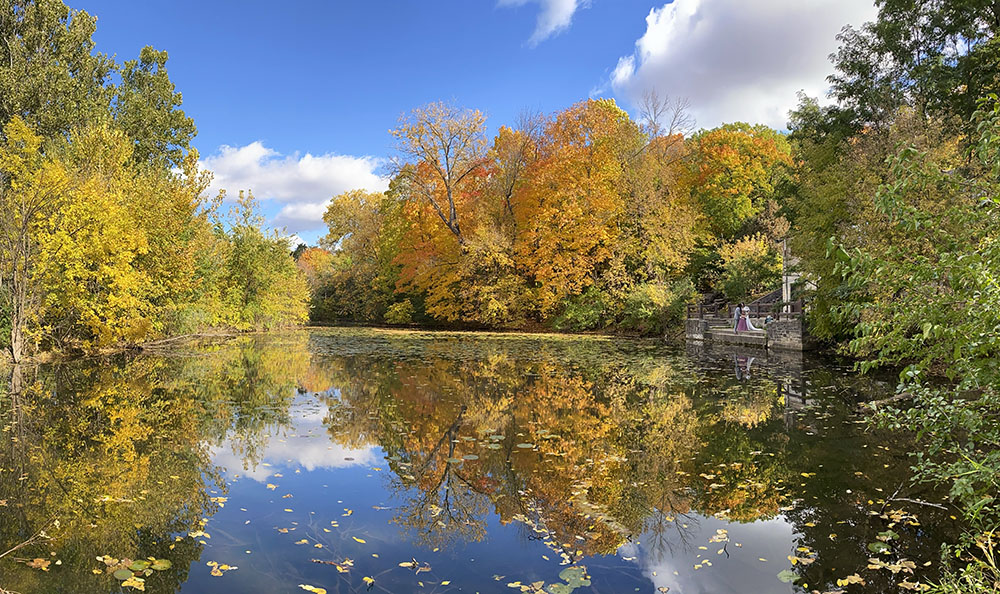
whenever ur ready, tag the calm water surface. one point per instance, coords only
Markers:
(353, 460)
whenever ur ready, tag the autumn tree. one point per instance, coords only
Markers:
(362, 236)
(262, 285)
(31, 187)
(735, 170)
(441, 146)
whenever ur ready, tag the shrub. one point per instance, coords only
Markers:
(400, 313)
(582, 312)
(651, 308)
(750, 266)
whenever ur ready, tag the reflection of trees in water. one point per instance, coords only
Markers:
(112, 456)
(607, 453)
(620, 447)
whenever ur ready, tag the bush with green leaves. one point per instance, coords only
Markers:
(400, 313)
(929, 302)
(583, 312)
(651, 308)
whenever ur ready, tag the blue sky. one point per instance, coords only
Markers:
(303, 92)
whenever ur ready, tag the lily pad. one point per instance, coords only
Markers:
(454, 460)
(139, 565)
(123, 574)
(878, 547)
(525, 445)
(493, 446)
(575, 576)
(470, 457)
(558, 588)
(787, 575)
(161, 564)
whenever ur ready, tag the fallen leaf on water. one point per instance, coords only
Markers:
(312, 589)
(135, 582)
(39, 563)
(851, 579)
(361, 540)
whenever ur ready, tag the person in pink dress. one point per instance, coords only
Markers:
(740, 319)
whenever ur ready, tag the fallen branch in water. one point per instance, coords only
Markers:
(37, 537)
(877, 403)
(919, 502)
(172, 340)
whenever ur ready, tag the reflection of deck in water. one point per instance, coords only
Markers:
(784, 367)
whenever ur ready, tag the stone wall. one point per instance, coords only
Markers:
(696, 329)
(786, 334)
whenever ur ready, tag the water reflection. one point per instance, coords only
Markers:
(651, 467)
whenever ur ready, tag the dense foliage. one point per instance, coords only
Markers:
(582, 220)
(106, 238)
(896, 223)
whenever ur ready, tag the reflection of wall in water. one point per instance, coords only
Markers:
(784, 367)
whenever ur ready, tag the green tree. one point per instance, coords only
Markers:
(938, 57)
(50, 74)
(263, 286)
(147, 108)
(929, 303)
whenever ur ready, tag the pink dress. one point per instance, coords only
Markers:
(741, 324)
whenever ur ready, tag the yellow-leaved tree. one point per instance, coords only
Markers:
(94, 294)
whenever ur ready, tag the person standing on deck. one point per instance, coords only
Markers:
(740, 318)
(746, 314)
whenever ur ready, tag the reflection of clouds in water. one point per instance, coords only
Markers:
(310, 449)
(741, 572)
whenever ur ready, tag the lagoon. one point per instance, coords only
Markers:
(354, 460)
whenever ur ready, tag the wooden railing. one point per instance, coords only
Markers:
(778, 310)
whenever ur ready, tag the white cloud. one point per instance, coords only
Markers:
(308, 447)
(553, 16)
(302, 184)
(737, 60)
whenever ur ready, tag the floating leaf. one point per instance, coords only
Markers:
(470, 457)
(361, 540)
(575, 576)
(788, 576)
(851, 579)
(312, 589)
(161, 564)
(135, 582)
(139, 565)
(878, 547)
(122, 574)
(525, 445)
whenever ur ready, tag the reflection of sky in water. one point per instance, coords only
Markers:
(306, 446)
(325, 487)
(739, 571)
